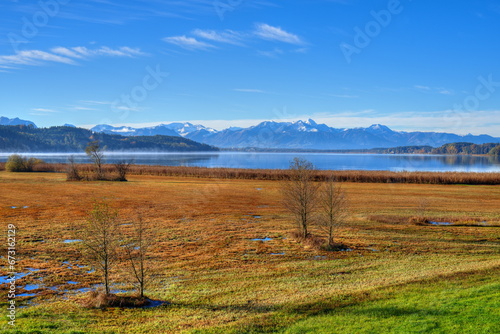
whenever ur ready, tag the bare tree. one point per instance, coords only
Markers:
(137, 250)
(100, 239)
(300, 194)
(96, 155)
(72, 173)
(333, 208)
(122, 167)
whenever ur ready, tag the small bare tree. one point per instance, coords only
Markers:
(300, 194)
(72, 173)
(333, 208)
(137, 250)
(96, 155)
(122, 167)
(100, 239)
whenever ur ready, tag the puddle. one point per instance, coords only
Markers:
(68, 241)
(30, 287)
(26, 295)
(373, 249)
(126, 224)
(17, 276)
(259, 188)
(320, 257)
(346, 250)
(155, 303)
(13, 207)
(256, 217)
(118, 291)
(90, 271)
(264, 239)
(440, 223)
(72, 282)
(278, 253)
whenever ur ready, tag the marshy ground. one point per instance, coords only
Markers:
(225, 259)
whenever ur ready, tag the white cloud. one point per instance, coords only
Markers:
(226, 36)
(63, 55)
(33, 58)
(267, 32)
(189, 43)
(44, 110)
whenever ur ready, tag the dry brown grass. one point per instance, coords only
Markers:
(206, 262)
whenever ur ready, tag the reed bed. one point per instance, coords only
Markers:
(360, 176)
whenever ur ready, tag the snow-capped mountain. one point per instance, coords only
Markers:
(172, 129)
(311, 135)
(290, 135)
(15, 121)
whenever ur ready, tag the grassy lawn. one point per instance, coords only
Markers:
(398, 278)
(457, 305)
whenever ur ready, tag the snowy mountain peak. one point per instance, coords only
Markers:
(15, 121)
(379, 128)
(311, 122)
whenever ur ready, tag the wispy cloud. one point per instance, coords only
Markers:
(249, 90)
(189, 43)
(63, 55)
(268, 32)
(226, 36)
(44, 110)
(271, 54)
(32, 57)
(344, 96)
(81, 52)
(436, 90)
(205, 39)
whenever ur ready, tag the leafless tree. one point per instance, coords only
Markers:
(300, 194)
(96, 155)
(122, 167)
(100, 239)
(333, 208)
(72, 173)
(137, 250)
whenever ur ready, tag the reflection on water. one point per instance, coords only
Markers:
(332, 161)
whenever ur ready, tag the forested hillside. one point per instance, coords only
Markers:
(24, 138)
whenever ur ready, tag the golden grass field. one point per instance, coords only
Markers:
(205, 263)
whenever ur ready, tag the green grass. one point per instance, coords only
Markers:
(461, 305)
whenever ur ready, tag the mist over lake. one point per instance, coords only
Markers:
(324, 161)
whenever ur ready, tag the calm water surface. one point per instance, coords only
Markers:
(331, 161)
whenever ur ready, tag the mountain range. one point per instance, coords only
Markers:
(300, 135)
(288, 135)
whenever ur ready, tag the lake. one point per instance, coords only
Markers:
(330, 161)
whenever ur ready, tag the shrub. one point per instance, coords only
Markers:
(17, 163)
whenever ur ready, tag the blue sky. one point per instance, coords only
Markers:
(411, 65)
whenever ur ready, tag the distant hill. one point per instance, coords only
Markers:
(301, 135)
(23, 138)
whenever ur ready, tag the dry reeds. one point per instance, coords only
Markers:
(359, 176)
